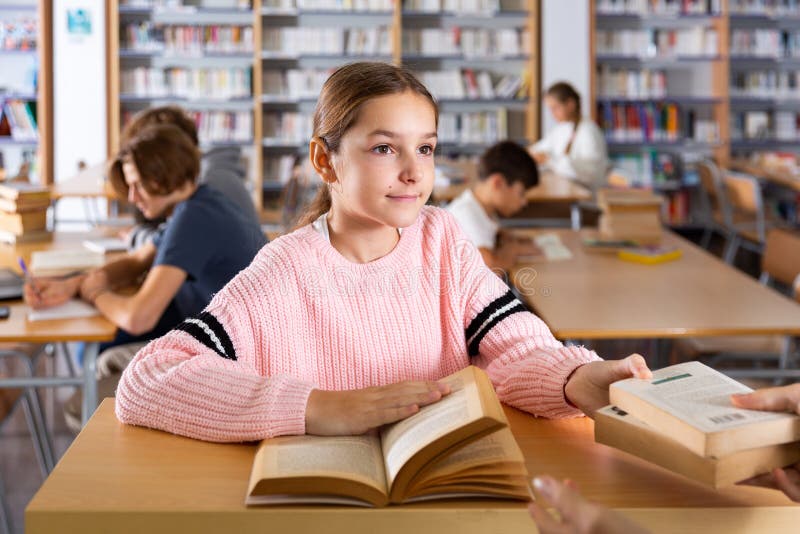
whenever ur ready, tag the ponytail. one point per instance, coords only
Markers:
(319, 206)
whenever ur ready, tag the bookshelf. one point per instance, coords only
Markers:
(661, 88)
(26, 61)
(480, 57)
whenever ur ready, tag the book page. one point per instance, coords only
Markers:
(404, 439)
(698, 395)
(353, 457)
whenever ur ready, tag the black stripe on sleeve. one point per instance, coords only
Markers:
(487, 312)
(200, 335)
(220, 332)
(475, 344)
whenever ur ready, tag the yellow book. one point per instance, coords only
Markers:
(650, 255)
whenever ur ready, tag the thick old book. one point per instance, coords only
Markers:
(24, 192)
(64, 262)
(690, 402)
(619, 429)
(458, 447)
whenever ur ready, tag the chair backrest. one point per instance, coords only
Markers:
(712, 195)
(743, 192)
(781, 258)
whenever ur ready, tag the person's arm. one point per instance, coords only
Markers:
(212, 377)
(589, 157)
(529, 368)
(778, 399)
(137, 313)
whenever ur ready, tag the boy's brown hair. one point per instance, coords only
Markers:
(165, 157)
(161, 115)
(510, 160)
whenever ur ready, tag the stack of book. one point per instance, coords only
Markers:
(23, 212)
(683, 420)
(633, 214)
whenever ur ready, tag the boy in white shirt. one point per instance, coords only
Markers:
(505, 172)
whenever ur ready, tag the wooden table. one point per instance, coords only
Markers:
(595, 295)
(17, 328)
(124, 479)
(552, 188)
(781, 177)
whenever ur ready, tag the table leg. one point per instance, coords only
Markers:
(89, 381)
(575, 216)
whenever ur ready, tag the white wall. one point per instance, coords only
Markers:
(565, 49)
(79, 95)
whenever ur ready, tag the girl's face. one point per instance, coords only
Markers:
(561, 111)
(384, 167)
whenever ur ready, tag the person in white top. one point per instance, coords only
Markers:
(505, 172)
(575, 148)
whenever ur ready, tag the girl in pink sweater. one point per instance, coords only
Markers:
(347, 323)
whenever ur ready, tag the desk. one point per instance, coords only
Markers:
(551, 188)
(124, 479)
(780, 177)
(17, 329)
(595, 295)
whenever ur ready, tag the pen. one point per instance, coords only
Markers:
(29, 277)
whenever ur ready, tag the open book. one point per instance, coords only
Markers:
(72, 309)
(458, 447)
(690, 402)
(64, 262)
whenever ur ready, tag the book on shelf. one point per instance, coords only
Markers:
(17, 120)
(619, 429)
(690, 402)
(62, 262)
(460, 446)
(661, 8)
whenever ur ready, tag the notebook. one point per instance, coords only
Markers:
(72, 309)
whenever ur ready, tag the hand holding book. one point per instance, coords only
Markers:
(779, 399)
(587, 388)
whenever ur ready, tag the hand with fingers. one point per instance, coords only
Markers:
(576, 515)
(353, 412)
(778, 399)
(48, 292)
(587, 388)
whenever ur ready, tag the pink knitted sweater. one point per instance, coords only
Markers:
(301, 317)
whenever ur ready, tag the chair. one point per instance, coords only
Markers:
(746, 216)
(780, 263)
(716, 212)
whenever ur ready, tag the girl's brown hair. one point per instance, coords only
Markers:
(165, 157)
(342, 97)
(564, 92)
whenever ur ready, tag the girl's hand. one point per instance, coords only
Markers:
(587, 388)
(49, 292)
(353, 412)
